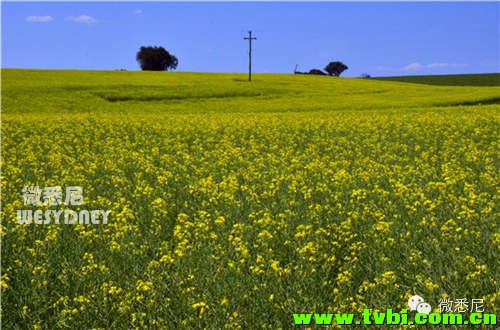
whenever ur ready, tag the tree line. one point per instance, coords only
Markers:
(157, 58)
(332, 69)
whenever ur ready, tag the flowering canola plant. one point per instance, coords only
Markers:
(234, 205)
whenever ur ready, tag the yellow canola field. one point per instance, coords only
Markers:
(237, 204)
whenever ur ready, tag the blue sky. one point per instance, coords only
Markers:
(379, 38)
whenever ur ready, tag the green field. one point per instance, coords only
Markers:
(485, 79)
(236, 204)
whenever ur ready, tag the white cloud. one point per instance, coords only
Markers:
(438, 65)
(39, 19)
(413, 66)
(138, 11)
(435, 65)
(417, 66)
(82, 19)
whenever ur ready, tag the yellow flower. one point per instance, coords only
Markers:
(143, 286)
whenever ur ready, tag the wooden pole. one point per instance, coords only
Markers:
(250, 38)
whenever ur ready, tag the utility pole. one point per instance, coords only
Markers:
(250, 38)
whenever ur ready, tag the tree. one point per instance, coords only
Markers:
(317, 71)
(335, 68)
(156, 59)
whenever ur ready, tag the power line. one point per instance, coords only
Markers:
(250, 38)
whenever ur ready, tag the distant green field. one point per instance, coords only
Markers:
(485, 79)
(79, 92)
(235, 204)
